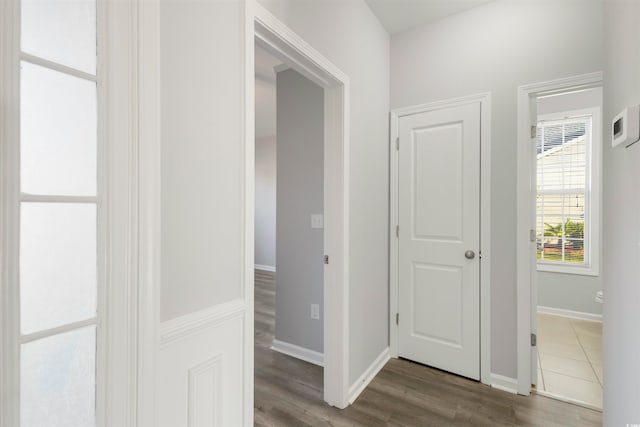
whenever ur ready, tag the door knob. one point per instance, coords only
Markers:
(470, 254)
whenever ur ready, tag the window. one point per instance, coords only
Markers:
(58, 329)
(567, 218)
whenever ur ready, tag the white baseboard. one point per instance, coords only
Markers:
(361, 383)
(298, 352)
(570, 313)
(500, 382)
(265, 267)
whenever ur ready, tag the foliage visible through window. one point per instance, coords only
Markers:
(563, 148)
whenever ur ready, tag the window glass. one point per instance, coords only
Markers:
(57, 264)
(57, 380)
(58, 133)
(62, 31)
(562, 181)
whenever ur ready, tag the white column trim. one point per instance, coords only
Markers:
(148, 255)
(9, 193)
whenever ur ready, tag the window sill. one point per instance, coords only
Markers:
(567, 269)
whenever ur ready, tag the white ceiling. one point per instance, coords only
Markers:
(401, 15)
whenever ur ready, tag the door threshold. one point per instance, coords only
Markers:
(566, 399)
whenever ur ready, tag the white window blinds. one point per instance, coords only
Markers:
(563, 190)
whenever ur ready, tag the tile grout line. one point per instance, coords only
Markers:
(585, 354)
(544, 387)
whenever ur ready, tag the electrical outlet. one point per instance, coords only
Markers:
(317, 221)
(315, 311)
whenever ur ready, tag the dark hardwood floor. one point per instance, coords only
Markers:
(288, 391)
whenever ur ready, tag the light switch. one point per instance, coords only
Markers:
(315, 311)
(317, 221)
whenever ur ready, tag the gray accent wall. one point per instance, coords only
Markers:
(300, 193)
(496, 48)
(621, 222)
(570, 291)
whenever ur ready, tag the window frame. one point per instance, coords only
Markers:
(592, 196)
(117, 357)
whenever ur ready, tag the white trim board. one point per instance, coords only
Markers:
(485, 222)
(183, 326)
(568, 400)
(280, 41)
(592, 317)
(298, 352)
(526, 216)
(265, 267)
(149, 205)
(508, 384)
(248, 213)
(368, 375)
(9, 212)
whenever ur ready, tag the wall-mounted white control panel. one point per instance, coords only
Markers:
(626, 127)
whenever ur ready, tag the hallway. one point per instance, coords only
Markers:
(288, 392)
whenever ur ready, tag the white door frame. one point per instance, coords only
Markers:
(265, 29)
(525, 249)
(485, 221)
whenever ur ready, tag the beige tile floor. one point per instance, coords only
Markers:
(570, 359)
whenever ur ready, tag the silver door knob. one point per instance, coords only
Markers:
(470, 254)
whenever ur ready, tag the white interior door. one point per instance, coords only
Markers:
(439, 239)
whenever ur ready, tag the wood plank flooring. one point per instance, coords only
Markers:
(288, 391)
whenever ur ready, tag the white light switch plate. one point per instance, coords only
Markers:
(317, 221)
(315, 311)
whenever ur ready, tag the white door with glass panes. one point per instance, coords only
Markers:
(439, 239)
(56, 328)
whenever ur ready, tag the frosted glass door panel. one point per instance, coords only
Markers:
(57, 384)
(63, 31)
(57, 264)
(58, 133)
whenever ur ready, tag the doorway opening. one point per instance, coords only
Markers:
(561, 258)
(289, 229)
(329, 221)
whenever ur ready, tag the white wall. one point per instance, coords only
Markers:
(570, 291)
(202, 86)
(265, 209)
(265, 108)
(350, 36)
(621, 222)
(200, 377)
(496, 48)
(265, 159)
(300, 193)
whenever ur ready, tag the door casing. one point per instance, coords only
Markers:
(526, 214)
(485, 221)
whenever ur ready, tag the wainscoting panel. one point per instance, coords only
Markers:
(205, 393)
(200, 362)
